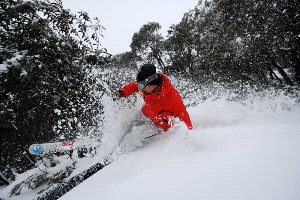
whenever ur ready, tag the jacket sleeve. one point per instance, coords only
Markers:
(182, 112)
(185, 117)
(129, 89)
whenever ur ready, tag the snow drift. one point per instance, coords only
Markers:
(247, 150)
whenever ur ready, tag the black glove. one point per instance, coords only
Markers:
(119, 94)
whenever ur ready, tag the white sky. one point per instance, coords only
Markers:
(122, 18)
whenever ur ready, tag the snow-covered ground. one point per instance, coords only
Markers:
(248, 150)
(237, 150)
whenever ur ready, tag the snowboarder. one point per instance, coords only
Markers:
(162, 101)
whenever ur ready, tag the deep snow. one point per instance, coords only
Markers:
(248, 150)
(237, 150)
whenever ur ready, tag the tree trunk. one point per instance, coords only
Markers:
(155, 53)
(272, 74)
(160, 62)
(296, 66)
(281, 71)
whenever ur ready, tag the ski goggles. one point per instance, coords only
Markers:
(142, 84)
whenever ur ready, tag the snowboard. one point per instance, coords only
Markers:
(47, 148)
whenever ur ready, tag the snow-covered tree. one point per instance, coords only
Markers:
(46, 53)
(148, 44)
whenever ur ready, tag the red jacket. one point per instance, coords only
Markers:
(162, 104)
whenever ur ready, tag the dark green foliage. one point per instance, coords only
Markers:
(127, 60)
(270, 32)
(147, 44)
(45, 54)
(254, 39)
(181, 45)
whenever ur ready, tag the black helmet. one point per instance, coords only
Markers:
(148, 71)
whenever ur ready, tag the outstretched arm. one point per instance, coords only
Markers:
(129, 89)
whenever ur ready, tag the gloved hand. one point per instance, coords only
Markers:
(167, 118)
(119, 94)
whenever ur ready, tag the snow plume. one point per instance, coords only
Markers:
(118, 118)
(194, 92)
(222, 106)
(103, 83)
